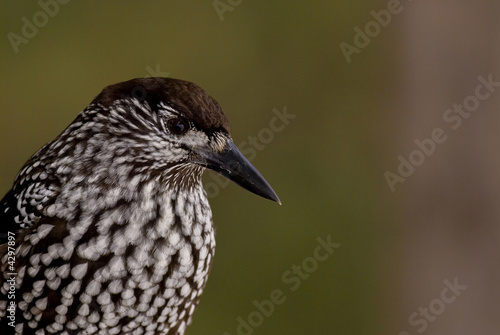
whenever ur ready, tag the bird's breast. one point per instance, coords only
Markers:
(137, 264)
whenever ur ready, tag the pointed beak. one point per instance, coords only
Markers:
(231, 163)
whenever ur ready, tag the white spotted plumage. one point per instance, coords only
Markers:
(114, 229)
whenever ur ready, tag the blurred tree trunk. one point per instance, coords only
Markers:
(452, 200)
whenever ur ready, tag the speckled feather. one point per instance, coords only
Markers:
(114, 232)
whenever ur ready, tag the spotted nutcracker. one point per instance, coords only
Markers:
(109, 224)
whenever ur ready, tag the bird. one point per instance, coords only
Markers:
(107, 228)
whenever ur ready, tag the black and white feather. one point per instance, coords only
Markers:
(114, 232)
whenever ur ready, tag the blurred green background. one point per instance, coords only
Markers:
(351, 122)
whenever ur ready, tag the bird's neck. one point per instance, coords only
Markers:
(132, 208)
(140, 208)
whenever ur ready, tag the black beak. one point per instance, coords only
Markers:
(233, 165)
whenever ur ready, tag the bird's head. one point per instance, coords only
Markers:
(163, 127)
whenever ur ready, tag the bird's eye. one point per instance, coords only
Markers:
(177, 126)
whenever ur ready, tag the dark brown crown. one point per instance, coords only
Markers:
(190, 100)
